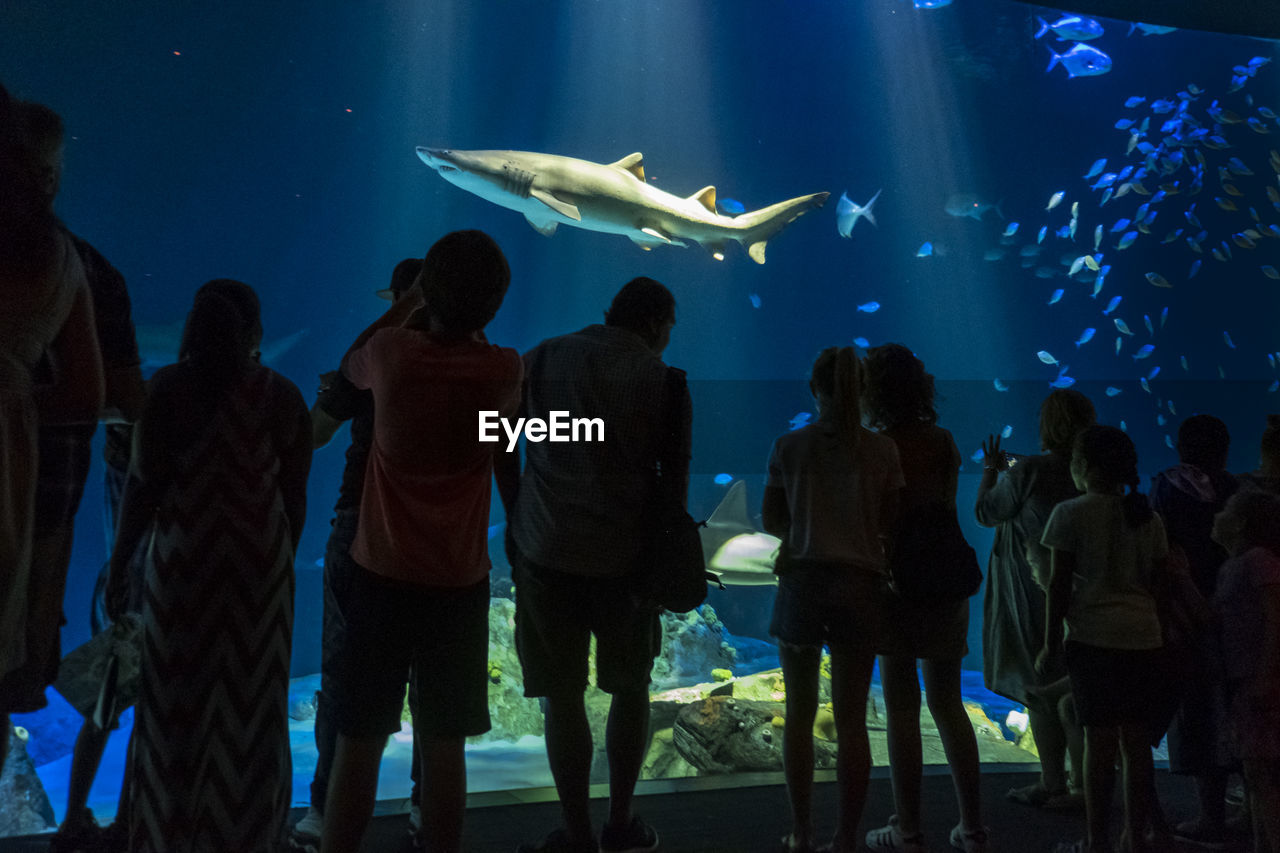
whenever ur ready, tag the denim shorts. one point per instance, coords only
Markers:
(393, 629)
(827, 604)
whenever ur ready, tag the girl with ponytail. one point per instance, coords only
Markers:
(831, 497)
(1106, 547)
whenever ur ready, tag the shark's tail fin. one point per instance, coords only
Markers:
(761, 225)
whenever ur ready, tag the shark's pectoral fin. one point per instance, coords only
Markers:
(659, 236)
(545, 227)
(756, 251)
(633, 163)
(561, 207)
(706, 197)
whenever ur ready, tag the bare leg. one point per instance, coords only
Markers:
(1139, 783)
(850, 682)
(626, 740)
(353, 786)
(800, 672)
(443, 781)
(1075, 740)
(569, 751)
(5, 730)
(902, 707)
(1051, 743)
(1262, 780)
(946, 704)
(85, 758)
(1100, 747)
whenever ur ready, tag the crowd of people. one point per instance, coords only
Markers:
(1114, 617)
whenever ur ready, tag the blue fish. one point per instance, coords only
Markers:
(1046, 357)
(723, 479)
(800, 419)
(1150, 29)
(1142, 380)
(1144, 351)
(1096, 168)
(1127, 240)
(1006, 432)
(1105, 181)
(1071, 28)
(1044, 229)
(1063, 382)
(869, 307)
(1000, 386)
(1120, 225)
(1124, 124)
(1057, 294)
(925, 250)
(1122, 327)
(1182, 359)
(1195, 268)
(1081, 61)
(1134, 101)
(1155, 371)
(1164, 315)
(1011, 230)
(977, 455)
(1086, 336)
(731, 206)
(1113, 391)
(1162, 106)
(1226, 336)
(862, 343)
(931, 4)
(1112, 305)
(755, 300)
(1146, 319)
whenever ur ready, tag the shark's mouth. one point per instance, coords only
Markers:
(444, 168)
(517, 181)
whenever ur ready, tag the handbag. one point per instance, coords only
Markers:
(931, 561)
(670, 570)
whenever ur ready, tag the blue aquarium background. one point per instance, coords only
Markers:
(275, 143)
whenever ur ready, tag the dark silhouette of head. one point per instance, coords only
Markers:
(1063, 414)
(1270, 449)
(403, 277)
(1203, 441)
(643, 306)
(223, 330)
(836, 383)
(1257, 513)
(896, 390)
(464, 280)
(1107, 455)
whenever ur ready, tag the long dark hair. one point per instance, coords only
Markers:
(28, 227)
(1110, 452)
(837, 376)
(220, 330)
(896, 390)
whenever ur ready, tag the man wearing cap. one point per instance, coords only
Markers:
(340, 401)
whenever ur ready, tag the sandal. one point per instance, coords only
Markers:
(1034, 795)
(890, 838)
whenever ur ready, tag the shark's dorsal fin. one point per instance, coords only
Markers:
(732, 511)
(633, 163)
(706, 197)
(561, 207)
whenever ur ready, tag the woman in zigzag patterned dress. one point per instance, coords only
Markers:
(220, 466)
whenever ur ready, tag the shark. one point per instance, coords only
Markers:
(613, 198)
(736, 553)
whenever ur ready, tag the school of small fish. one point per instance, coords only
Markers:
(1182, 165)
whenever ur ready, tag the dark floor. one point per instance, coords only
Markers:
(705, 816)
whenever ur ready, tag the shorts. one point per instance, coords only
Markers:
(556, 614)
(1112, 687)
(392, 628)
(933, 631)
(827, 604)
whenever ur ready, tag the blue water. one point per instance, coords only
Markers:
(275, 143)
